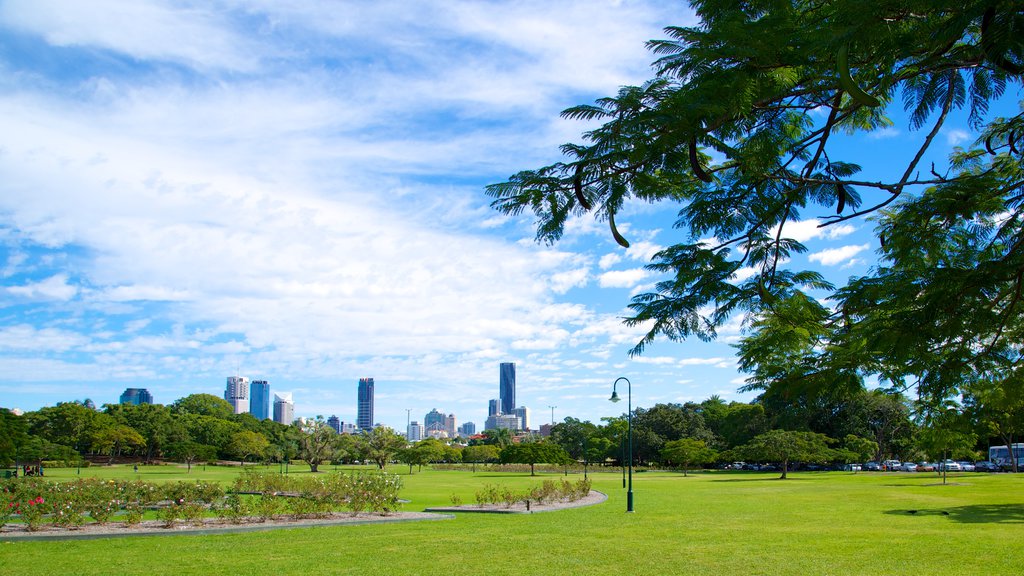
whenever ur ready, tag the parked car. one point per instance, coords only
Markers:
(852, 467)
(926, 467)
(948, 466)
(891, 465)
(985, 466)
(966, 466)
(908, 467)
(872, 466)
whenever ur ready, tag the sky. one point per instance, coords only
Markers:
(294, 191)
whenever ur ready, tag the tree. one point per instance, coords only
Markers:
(246, 443)
(117, 439)
(857, 449)
(661, 423)
(571, 434)
(203, 405)
(686, 451)
(381, 444)
(533, 453)
(318, 441)
(997, 409)
(741, 129)
(152, 421)
(785, 446)
(13, 435)
(188, 452)
(480, 453)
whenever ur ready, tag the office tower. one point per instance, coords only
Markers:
(467, 429)
(415, 432)
(284, 408)
(364, 404)
(492, 407)
(502, 421)
(237, 393)
(523, 413)
(449, 425)
(259, 399)
(507, 388)
(136, 396)
(435, 424)
(334, 423)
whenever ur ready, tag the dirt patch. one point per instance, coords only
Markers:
(19, 532)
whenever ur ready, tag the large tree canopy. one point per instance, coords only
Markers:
(741, 130)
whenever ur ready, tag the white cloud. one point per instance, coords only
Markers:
(622, 278)
(834, 256)
(884, 133)
(609, 260)
(955, 137)
(53, 288)
(805, 230)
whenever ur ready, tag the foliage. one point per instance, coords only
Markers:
(247, 443)
(686, 451)
(532, 453)
(785, 446)
(380, 445)
(741, 130)
(317, 444)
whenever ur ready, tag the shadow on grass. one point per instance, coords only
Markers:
(974, 514)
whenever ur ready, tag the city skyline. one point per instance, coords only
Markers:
(288, 223)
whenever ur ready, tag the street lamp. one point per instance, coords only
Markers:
(629, 427)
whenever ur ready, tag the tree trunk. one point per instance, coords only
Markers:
(531, 470)
(785, 468)
(313, 468)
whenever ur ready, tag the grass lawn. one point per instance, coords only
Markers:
(713, 523)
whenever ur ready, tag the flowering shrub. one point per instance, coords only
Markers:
(548, 491)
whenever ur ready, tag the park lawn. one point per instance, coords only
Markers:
(712, 523)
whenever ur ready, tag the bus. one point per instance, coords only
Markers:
(1000, 456)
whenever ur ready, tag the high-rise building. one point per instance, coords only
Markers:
(467, 429)
(433, 422)
(136, 396)
(284, 408)
(334, 423)
(502, 421)
(523, 413)
(259, 399)
(364, 404)
(507, 389)
(237, 393)
(449, 425)
(415, 432)
(492, 407)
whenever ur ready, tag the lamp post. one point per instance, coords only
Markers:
(629, 428)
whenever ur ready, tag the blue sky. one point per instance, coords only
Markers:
(294, 192)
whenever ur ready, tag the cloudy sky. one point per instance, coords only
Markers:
(294, 192)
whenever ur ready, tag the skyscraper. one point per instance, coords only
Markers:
(364, 414)
(284, 408)
(434, 423)
(136, 396)
(237, 393)
(507, 388)
(259, 399)
(492, 407)
(523, 413)
(335, 423)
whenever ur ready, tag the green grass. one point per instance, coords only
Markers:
(715, 523)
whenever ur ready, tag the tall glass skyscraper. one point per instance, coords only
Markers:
(364, 414)
(507, 388)
(259, 399)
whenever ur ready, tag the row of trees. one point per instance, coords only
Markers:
(848, 427)
(199, 427)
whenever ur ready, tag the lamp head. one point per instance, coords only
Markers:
(615, 396)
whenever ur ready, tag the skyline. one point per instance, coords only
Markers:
(296, 193)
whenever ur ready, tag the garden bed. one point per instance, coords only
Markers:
(20, 532)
